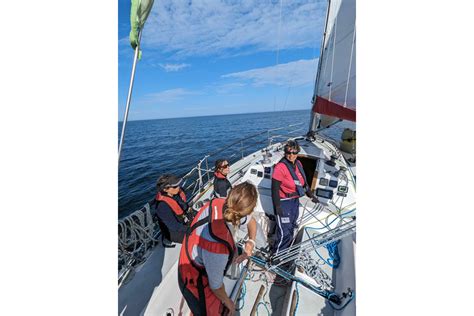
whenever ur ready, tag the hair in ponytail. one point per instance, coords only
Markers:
(240, 202)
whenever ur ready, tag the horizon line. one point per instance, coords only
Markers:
(166, 118)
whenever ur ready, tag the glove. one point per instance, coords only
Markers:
(314, 199)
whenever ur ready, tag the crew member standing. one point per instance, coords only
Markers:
(288, 185)
(209, 248)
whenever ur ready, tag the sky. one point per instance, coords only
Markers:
(221, 57)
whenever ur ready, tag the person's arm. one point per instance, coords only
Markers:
(252, 228)
(215, 266)
(225, 299)
(168, 218)
(250, 244)
(276, 196)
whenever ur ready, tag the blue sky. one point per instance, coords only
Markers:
(220, 57)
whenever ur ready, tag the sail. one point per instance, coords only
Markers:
(335, 87)
(138, 14)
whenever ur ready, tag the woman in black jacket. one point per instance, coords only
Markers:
(222, 186)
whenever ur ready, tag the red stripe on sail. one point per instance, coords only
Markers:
(327, 107)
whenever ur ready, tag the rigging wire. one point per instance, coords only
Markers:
(277, 52)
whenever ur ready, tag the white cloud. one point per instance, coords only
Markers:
(167, 96)
(228, 87)
(235, 27)
(173, 67)
(296, 73)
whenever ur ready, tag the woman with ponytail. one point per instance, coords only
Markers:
(209, 249)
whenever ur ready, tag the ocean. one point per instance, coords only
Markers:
(154, 147)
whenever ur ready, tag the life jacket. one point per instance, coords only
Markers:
(217, 178)
(172, 202)
(219, 175)
(192, 277)
(300, 191)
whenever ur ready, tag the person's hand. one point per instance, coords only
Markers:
(241, 258)
(315, 200)
(230, 307)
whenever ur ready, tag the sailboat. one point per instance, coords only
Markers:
(316, 274)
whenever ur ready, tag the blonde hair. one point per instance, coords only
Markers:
(240, 202)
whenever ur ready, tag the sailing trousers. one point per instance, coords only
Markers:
(286, 224)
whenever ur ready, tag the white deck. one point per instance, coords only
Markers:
(154, 288)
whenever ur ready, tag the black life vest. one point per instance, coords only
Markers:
(218, 179)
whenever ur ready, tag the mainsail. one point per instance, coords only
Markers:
(335, 87)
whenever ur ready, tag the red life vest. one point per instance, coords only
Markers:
(192, 277)
(171, 202)
(219, 175)
(299, 187)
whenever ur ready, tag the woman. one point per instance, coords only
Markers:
(209, 248)
(172, 208)
(288, 185)
(222, 186)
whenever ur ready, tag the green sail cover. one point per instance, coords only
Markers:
(138, 14)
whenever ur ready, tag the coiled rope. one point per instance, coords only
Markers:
(136, 233)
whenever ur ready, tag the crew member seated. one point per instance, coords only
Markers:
(222, 185)
(172, 210)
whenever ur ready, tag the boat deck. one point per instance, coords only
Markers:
(161, 295)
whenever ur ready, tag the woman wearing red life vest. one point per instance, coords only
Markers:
(288, 185)
(172, 209)
(222, 185)
(209, 249)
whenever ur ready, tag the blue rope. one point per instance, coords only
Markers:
(333, 254)
(325, 261)
(265, 305)
(297, 297)
(242, 297)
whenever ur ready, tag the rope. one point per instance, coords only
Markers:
(242, 297)
(137, 233)
(264, 305)
(297, 297)
(333, 253)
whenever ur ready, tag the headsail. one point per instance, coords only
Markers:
(335, 87)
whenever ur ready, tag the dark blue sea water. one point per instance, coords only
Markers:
(155, 147)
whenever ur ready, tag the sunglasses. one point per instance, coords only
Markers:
(291, 152)
(172, 186)
(224, 166)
